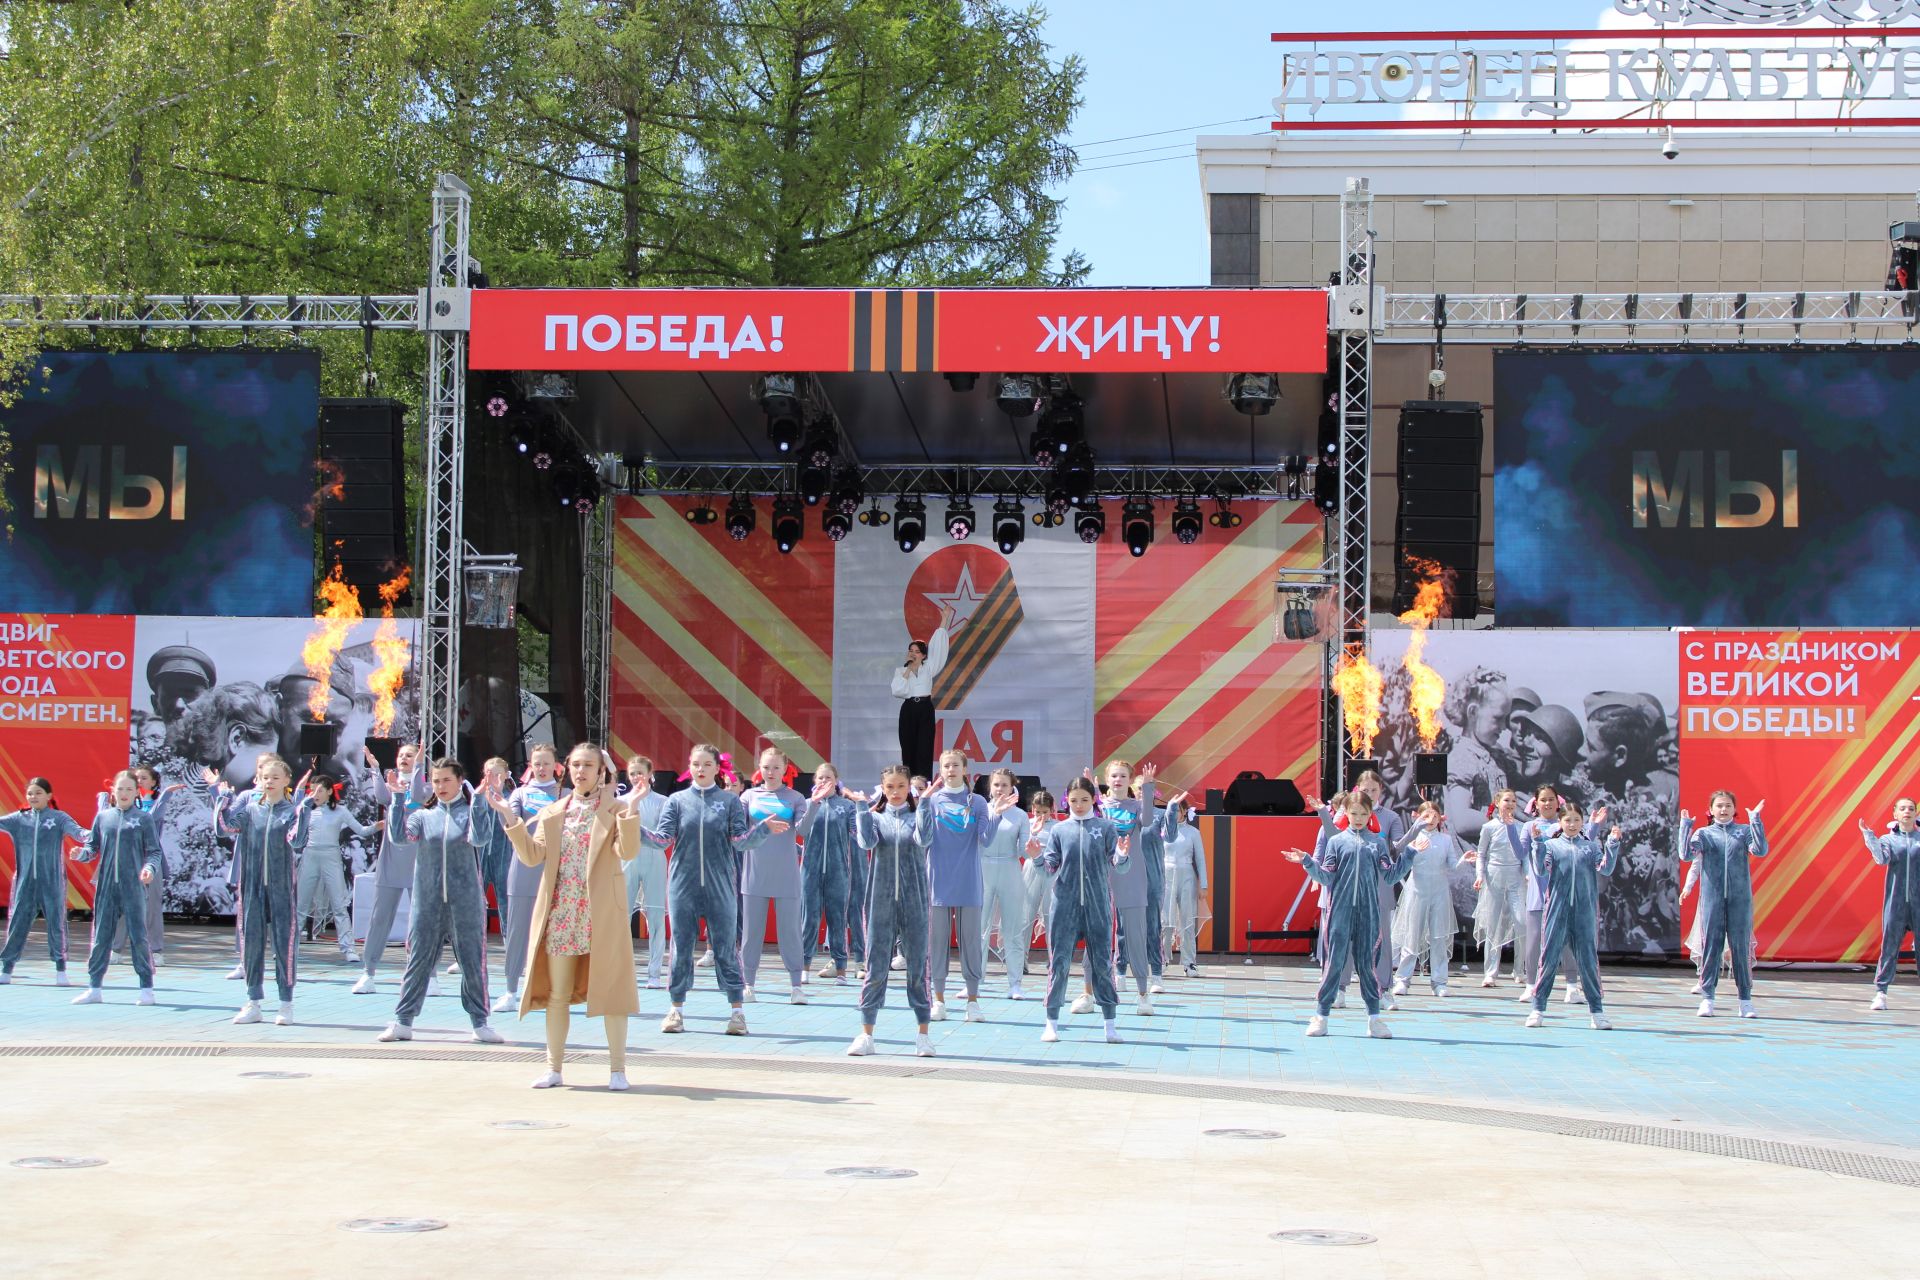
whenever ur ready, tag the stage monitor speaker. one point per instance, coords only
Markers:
(1357, 767)
(362, 514)
(1438, 517)
(666, 782)
(318, 739)
(386, 751)
(1430, 769)
(1253, 793)
(1216, 800)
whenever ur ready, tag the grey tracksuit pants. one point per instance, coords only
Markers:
(942, 924)
(754, 941)
(449, 903)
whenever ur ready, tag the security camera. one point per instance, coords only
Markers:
(1670, 148)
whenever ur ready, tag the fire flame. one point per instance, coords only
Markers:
(332, 486)
(1358, 684)
(329, 636)
(393, 651)
(1428, 691)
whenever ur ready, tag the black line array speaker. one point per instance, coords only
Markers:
(363, 493)
(1439, 514)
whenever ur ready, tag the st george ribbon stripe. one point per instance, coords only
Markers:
(893, 330)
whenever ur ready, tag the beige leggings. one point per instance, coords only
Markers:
(559, 1017)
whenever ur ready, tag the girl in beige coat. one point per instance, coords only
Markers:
(580, 945)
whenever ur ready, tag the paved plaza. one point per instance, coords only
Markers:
(1788, 1145)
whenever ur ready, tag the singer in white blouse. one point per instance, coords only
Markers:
(913, 685)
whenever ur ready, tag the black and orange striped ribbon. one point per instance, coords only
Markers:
(893, 330)
(982, 638)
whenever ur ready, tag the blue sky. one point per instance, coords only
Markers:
(1155, 65)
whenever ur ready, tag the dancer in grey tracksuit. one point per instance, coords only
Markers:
(1722, 849)
(826, 867)
(449, 901)
(39, 833)
(1572, 864)
(1354, 864)
(896, 906)
(127, 847)
(1899, 852)
(393, 870)
(265, 833)
(1004, 888)
(647, 883)
(954, 822)
(1081, 853)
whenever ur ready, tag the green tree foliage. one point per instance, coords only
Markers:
(234, 146)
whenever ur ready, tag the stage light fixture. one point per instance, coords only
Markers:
(1326, 487)
(1224, 516)
(1009, 525)
(1018, 394)
(1253, 394)
(819, 449)
(836, 522)
(702, 514)
(962, 381)
(1297, 620)
(909, 522)
(740, 517)
(1295, 467)
(959, 518)
(1060, 428)
(1136, 525)
(1090, 522)
(873, 517)
(779, 396)
(788, 527)
(1073, 471)
(1186, 521)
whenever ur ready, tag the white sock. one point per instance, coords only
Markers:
(1052, 1027)
(1109, 1026)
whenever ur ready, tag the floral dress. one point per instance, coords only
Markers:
(569, 922)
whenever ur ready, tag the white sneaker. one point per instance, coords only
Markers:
(898, 963)
(1113, 1036)
(236, 973)
(973, 1012)
(1316, 1025)
(1377, 1028)
(1156, 988)
(1696, 989)
(509, 1002)
(704, 961)
(1599, 1022)
(1193, 971)
(939, 1013)
(656, 984)
(1014, 992)
(1706, 1007)
(158, 957)
(249, 1013)
(861, 1047)
(1083, 1005)
(1392, 1005)
(394, 1031)
(284, 1018)
(1399, 987)
(548, 1080)
(797, 996)
(453, 970)
(1746, 1009)
(827, 970)
(747, 997)
(617, 1082)
(1145, 1007)
(1526, 994)
(145, 996)
(433, 985)
(1048, 1035)
(349, 956)
(806, 979)
(1573, 996)
(1440, 993)
(1340, 998)
(1487, 981)
(92, 996)
(60, 979)
(673, 1022)
(840, 979)
(6, 979)
(485, 1034)
(737, 1024)
(922, 1045)
(1534, 1019)
(365, 986)
(1879, 1001)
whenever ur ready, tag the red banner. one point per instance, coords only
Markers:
(902, 330)
(1820, 725)
(65, 680)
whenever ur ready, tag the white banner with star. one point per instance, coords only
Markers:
(1016, 690)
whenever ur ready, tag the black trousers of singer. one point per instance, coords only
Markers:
(916, 736)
